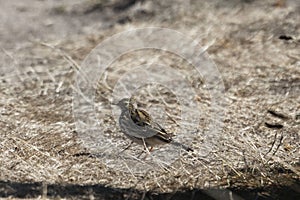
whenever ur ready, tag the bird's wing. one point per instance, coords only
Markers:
(151, 126)
(131, 127)
(145, 119)
(142, 125)
(141, 117)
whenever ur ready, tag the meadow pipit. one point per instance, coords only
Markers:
(139, 126)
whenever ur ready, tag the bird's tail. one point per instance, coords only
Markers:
(182, 146)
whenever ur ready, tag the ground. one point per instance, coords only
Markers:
(45, 151)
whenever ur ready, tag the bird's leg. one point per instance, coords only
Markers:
(148, 150)
(145, 146)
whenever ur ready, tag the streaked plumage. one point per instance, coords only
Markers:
(139, 126)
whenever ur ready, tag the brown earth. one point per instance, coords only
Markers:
(255, 46)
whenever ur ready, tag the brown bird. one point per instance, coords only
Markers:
(139, 126)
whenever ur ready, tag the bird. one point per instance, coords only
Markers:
(139, 126)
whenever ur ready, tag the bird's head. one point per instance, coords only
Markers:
(125, 103)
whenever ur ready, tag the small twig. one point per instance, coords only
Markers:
(127, 147)
(280, 143)
(274, 126)
(277, 114)
(245, 160)
(171, 118)
(273, 143)
(105, 82)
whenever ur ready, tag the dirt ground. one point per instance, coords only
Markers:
(255, 47)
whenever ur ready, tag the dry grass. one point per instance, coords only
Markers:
(261, 74)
